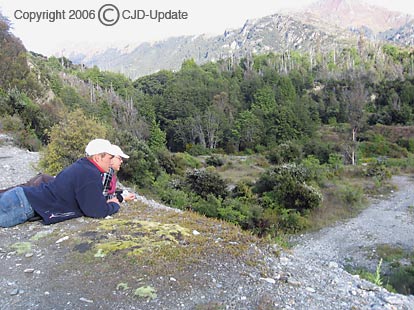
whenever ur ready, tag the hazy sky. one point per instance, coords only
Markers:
(81, 24)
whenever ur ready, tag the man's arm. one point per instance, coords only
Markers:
(93, 204)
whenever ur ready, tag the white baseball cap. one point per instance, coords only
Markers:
(118, 152)
(98, 146)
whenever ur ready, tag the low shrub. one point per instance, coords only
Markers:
(142, 167)
(183, 161)
(215, 161)
(286, 185)
(350, 195)
(204, 182)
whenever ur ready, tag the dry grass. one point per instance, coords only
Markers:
(336, 208)
(242, 168)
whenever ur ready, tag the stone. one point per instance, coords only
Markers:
(310, 290)
(393, 300)
(268, 280)
(62, 239)
(14, 292)
(293, 282)
(89, 301)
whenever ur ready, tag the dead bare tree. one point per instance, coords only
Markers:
(356, 97)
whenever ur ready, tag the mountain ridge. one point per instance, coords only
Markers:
(315, 28)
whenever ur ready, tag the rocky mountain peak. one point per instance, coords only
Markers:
(324, 25)
(354, 14)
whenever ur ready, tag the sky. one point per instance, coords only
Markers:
(50, 27)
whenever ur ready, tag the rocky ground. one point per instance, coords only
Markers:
(48, 267)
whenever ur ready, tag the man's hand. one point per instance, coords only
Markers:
(129, 197)
(113, 200)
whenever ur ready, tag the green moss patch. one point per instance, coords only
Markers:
(142, 242)
(145, 292)
(39, 235)
(22, 247)
(135, 237)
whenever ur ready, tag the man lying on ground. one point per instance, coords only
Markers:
(76, 191)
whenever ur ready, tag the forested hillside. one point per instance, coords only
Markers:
(270, 142)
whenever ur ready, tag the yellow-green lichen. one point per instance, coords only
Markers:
(40, 235)
(100, 253)
(122, 286)
(22, 247)
(145, 292)
(136, 236)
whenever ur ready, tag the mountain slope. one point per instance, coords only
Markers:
(354, 14)
(275, 33)
(319, 27)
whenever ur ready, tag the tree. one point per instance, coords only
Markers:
(157, 141)
(142, 167)
(213, 120)
(68, 139)
(248, 129)
(356, 98)
(14, 69)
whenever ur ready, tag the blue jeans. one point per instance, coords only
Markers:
(14, 208)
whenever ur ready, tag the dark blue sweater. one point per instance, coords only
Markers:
(76, 191)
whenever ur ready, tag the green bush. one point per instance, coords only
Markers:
(378, 171)
(402, 280)
(242, 189)
(22, 137)
(176, 198)
(378, 145)
(142, 167)
(238, 211)
(284, 153)
(316, 171)
(286, 186)
(27, 139)
(183, 161)
(11, 123)
(215, 161)
(197, 150)
(209, 206)
(68, 140)
(167, 161)
(336, 164)
(291, 221)
(5, 106)
(204, 182)
(276, 176)
(320, 149)
(277, 221)
(350, 195)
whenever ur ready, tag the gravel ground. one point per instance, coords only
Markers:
(17, 165)
(386, 222)
(308, 276)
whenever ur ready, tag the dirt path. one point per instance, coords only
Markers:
(389, 221)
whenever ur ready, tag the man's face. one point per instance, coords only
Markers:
(116, 163)
(104, 161)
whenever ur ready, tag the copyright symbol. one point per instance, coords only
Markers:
(108, 15)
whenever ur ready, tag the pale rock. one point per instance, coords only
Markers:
(62, 239)
(89, 301)
(268, 280)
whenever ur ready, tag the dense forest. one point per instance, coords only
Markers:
(300, 126)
